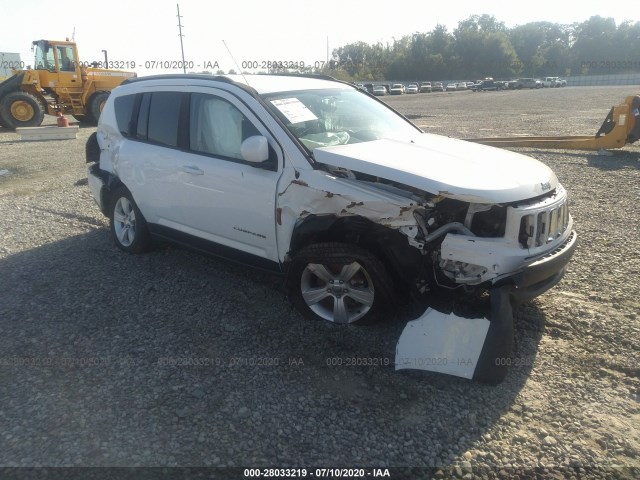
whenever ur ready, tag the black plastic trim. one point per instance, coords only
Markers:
(492, 366)
(161, 232)
(92, 149)
(532, 291)
(543, 274)
(548, 265)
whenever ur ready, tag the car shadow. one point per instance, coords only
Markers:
(617, 160)
(206, 363)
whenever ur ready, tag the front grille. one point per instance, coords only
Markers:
(543, 227)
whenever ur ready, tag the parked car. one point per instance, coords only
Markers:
(412, 88)
(357, 215)
(397, 89)
(553, 82)
(488, 86)
(451, 87)
(527, 83)
(438, 87)
(470, 85)
(379, 90)
(510, 84)
(461, 86)
(425, 87)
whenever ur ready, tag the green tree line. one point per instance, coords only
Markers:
(481, 46)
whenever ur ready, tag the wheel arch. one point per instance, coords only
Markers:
(402, 261)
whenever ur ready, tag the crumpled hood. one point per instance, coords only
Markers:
(444, 166)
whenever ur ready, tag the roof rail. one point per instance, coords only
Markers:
(180, 76)
(319, 76)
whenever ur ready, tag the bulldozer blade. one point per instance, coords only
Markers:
(620, 127)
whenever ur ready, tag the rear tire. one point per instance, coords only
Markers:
(84, 119)
(21, 109)
(339, 283)
(96, 104)
(128, 227)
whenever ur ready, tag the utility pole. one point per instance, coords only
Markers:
(327, 49)
(184, 65)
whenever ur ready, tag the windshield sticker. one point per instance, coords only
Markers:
(294, 110)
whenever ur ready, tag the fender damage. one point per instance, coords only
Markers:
(493, 260)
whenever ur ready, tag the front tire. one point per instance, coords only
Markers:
(128, 227)
(339, 283)
(21, 109)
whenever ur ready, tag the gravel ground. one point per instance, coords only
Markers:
(94, 342)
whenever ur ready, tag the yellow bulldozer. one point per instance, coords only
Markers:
(57, 82)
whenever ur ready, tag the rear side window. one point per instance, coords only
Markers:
(124, 110)
(164, 118)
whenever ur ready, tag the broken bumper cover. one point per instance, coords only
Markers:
(539, 276)
(471, 348)
(443, 343)
(478, 348)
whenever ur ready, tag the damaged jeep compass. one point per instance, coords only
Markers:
(357, 207)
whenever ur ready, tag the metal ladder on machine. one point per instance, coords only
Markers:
(620, 127)
(76, 100)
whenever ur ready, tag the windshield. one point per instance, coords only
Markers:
(322, 118)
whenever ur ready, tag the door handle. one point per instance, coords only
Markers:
(192, 170)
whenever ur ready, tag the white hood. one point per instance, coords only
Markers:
(448, 167)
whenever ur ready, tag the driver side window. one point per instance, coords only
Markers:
(217, 127)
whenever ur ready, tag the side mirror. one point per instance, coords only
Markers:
(255, 149)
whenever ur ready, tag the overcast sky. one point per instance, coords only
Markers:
(280, 30)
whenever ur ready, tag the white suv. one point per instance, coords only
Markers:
(553, 82)
(321, 182)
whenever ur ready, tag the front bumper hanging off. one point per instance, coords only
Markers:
(479, 348)
(472, 348)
